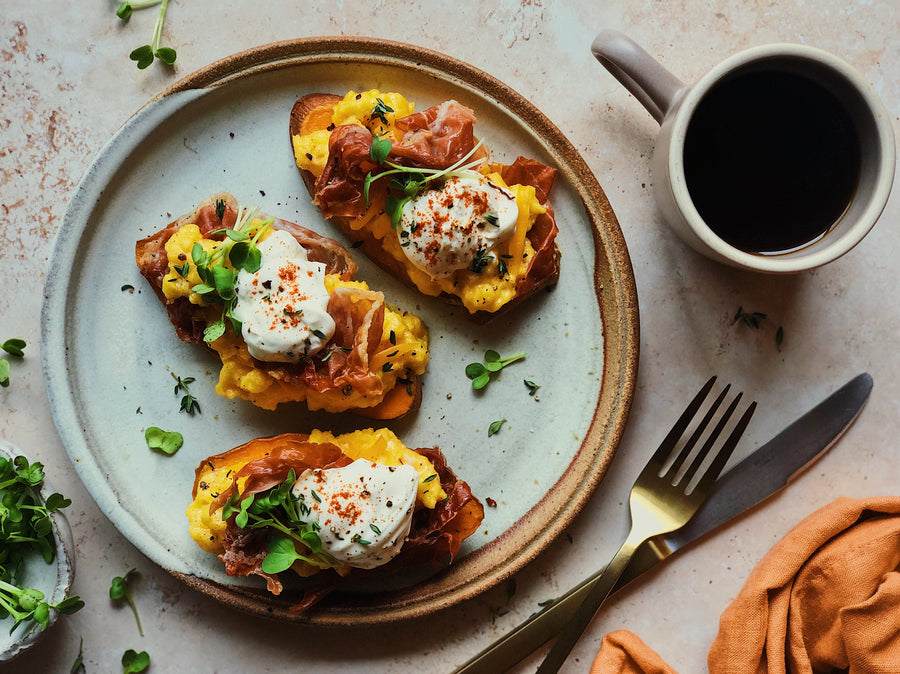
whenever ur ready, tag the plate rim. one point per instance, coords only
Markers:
(614, 287)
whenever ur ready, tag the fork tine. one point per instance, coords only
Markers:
(711, 440)
(668, 443)
(689, 445)
(715, 468)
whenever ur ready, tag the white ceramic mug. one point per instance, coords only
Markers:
(673, 104)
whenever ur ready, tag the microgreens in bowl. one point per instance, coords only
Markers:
(25, 527)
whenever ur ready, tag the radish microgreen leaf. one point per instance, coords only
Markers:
(119, 589)
(167, 442)
(480, 373)
(145, 54)
(134, 662)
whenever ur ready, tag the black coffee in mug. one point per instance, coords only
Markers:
(772, 160)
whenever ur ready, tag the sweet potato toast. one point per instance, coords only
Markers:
(372, 363)
(341, 148)
(329, 533)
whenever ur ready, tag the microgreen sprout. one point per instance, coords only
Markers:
(14, 347)
(480, 373)
(166, 442)
(118, 589)
(78, 664)
(189, 403)
(287, 514)
(144, 55)
(217, 281)
(411, 181)
(26, 526)
(134, 662)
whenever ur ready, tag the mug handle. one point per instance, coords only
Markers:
(655, 87)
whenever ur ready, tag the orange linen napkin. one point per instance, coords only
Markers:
(825, 598)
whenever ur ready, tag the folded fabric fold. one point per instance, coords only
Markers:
(825, 598)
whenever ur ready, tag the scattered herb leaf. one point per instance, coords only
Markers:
(167, 442)
(531, 386)
(380, 110)
(14, 347)
(4, 372)
(494, 428)
(134, 662)
(78, 665)
(380, 149)
(749, 318)
(118, 589)
(481, 260)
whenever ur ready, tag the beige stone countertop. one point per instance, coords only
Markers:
(67, 85)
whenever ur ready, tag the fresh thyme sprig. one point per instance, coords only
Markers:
(217, 280)
(189, 403)
(144, 55)
(280, 509)
(480, 373)
(380, 110)
(751, 319)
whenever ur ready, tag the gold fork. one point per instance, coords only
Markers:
(660, 502)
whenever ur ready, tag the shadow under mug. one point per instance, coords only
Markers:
(674, 104)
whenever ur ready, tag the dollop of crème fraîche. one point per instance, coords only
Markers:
(363, 510)
(283, 307)
(453, 227)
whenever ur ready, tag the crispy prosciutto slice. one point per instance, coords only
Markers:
(435, 138)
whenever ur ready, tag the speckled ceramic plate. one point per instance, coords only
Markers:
(54, 580)
(109, 350)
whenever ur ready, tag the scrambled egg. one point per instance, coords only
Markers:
(404, 343)
(378, 445)
(485, 291)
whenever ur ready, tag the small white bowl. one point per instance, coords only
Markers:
(54, 580)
